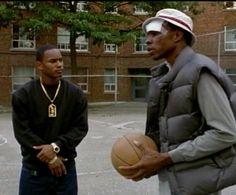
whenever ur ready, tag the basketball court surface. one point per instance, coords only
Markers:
(95, 173)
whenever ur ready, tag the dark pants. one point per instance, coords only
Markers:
(39, 184)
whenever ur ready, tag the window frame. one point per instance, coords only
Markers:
(141, 45)
(110, 45)
(17, 79)
(65, 45)
(109, 74)
(228, 42)
(83, 85)
(21, 42)
(139, 11)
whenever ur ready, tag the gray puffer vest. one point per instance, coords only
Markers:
(174, 116)
(173, 99)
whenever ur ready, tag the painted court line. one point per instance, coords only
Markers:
(3, 140)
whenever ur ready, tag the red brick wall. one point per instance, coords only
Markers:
(212, 20)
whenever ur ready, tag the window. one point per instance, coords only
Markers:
(140, 44)
(231, 72)
(20, 75)
(109, 81)
(110, 47)
(230, 4)
(63, 41)
(113, 12)
(230, 39)
(139, 11)
(81, 6)
(81, 79)
(20, 40)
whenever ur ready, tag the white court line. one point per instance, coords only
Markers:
(97, 137)
(3, 140)
(118, 126)
(123, 125)
(101, 122)
(94, 172)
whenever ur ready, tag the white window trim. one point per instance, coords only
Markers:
(108, 46)
(65, 45)
(232, 7)
(109, 87)
(226, 42)
(230, 75)
(139, 11)
(23, 78)
(142, 45)
(81, 6)
(84, 86)
(22, 42)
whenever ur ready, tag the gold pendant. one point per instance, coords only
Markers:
(52, 110)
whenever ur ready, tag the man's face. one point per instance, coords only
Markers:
(51, 65)
(161, 44)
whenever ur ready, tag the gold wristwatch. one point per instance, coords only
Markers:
(55, 147)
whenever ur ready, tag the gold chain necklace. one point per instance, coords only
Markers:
(52, 109)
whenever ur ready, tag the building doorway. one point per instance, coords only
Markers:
(139, 83)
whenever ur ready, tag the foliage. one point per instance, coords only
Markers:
(101, 25)
(189, 7)
(99, 21)
(6, 15)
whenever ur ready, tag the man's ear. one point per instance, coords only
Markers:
(179, 35)
(39, 65)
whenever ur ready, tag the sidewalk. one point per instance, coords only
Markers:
(95, 173)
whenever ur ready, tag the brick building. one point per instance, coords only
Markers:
(97, 64)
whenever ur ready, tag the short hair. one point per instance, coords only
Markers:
(41, 50)
(187, 35)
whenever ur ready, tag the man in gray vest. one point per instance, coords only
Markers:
(189, 113)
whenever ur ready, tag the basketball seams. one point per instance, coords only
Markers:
(122, 160)
(126, 153)
(133, 146)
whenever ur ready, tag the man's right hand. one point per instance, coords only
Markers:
(151, 162)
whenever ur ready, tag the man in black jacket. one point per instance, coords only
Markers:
(49, 120)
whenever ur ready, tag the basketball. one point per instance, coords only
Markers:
(125, 152)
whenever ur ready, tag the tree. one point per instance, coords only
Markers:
(6, 15)
(98, 22)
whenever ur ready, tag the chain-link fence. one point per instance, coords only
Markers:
(221, 47)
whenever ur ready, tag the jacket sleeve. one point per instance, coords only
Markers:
(79, 125)
(21, 124)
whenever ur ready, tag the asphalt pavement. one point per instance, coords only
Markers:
(95, 173)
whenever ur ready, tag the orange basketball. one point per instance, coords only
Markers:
(125, 152)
